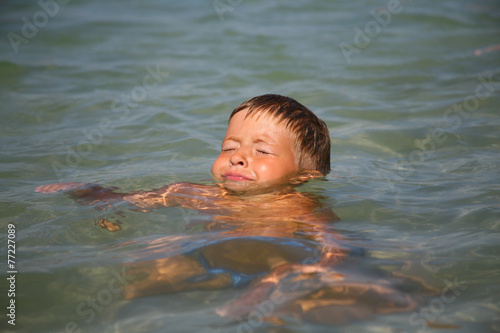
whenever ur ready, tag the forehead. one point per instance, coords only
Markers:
(257, 123)
(261, 128)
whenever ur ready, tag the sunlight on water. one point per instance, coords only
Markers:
(136, 96)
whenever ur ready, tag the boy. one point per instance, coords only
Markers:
(272, 144)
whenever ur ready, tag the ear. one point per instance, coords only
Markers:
(304, 176)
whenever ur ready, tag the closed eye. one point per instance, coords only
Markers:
(263, 152)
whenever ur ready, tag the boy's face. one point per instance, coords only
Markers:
(257, 153)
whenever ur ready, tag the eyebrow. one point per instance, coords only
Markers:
(264, 138)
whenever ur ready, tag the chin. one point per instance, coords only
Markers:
(238, 186)
(255, 189)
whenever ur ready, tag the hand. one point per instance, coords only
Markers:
(59, 187)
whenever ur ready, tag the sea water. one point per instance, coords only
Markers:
(137, 95)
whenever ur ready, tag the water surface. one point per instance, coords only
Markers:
(137, 95)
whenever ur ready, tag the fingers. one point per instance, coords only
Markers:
(50, 188)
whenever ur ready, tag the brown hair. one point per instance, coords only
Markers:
(312, 139)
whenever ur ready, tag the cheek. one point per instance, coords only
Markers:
(218, 164)
(266, 170)
(276, 170)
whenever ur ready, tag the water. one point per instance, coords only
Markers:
(137, 95)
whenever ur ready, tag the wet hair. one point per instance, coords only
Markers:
(310, 134)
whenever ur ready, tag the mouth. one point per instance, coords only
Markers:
(237, 177)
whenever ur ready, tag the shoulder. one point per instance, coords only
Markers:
(313, 208)
(324, 215)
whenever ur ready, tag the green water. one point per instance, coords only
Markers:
(136, 95)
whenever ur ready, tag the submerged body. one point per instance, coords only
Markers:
(281, 247)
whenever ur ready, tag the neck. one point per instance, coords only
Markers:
(264, 194)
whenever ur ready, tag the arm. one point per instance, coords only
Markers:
(332, 250)
(86, 194)
(184, 194)
(50, 188)
(178, 194)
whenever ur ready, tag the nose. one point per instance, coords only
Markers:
(238, 158)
